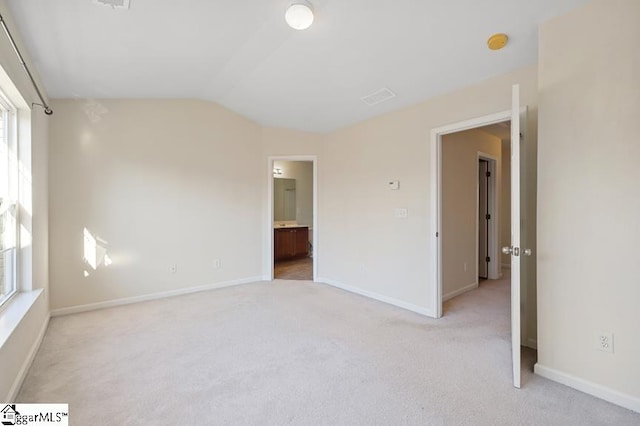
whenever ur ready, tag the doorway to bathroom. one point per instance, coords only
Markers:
(292, 218)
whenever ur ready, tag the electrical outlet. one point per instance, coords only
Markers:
(173, 268)
(216, 263)
(604, 341)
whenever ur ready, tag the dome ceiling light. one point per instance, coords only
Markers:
(299, 15)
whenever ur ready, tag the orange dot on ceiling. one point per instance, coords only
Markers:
(497, 41)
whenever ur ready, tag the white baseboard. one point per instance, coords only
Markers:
(532, 343)
(458, 292)
(379, 297)
(599, 391)
(17, 384)
(149, 297)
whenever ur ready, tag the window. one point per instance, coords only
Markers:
(8, 200)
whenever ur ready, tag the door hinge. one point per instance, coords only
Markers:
(488, 174)
(488, 259)
(488, 216)
(437, 234)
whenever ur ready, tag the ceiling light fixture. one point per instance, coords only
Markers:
(299, 15)
(497, 41)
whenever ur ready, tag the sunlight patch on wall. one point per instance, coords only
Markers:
(95, 251)
(90, 249)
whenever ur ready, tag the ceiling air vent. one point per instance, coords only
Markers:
(114, 4)
(381, 95)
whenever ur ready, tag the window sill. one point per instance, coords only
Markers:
(16, 309)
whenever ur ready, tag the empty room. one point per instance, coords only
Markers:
(315, 212)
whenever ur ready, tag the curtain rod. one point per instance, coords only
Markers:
(44, 104)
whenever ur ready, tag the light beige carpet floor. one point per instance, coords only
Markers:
(292, 352)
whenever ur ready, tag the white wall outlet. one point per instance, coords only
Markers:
(402, 213)
(173, 268)
(216, 263)
(604, 341)
(394, 185)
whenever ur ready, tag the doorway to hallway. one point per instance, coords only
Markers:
(471, 190)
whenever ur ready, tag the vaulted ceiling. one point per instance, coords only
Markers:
(243, 55)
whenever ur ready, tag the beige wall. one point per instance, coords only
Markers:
(363, 245)
(16, 349)
(302, 172)
(459, 206)
(163, 183)
(589, 196)
(282, 142)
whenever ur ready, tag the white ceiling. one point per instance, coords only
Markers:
(242, 54)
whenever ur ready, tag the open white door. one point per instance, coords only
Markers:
(515, 233)
(515, 249)
(517, 115)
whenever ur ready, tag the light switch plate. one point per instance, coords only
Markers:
(394, 185)
(402, 213)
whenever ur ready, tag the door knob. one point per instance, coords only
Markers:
(526, 252)
(507, 250)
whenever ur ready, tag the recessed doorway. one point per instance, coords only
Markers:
(292, 195)
(470, 210)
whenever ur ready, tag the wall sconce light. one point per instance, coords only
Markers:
(277, 172)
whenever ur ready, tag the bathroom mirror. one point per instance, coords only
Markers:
(284, 199)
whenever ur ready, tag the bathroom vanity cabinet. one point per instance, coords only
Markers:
(291, 242)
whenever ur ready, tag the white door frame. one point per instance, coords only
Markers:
(436, 196)
(268, 249)
(493, 272)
